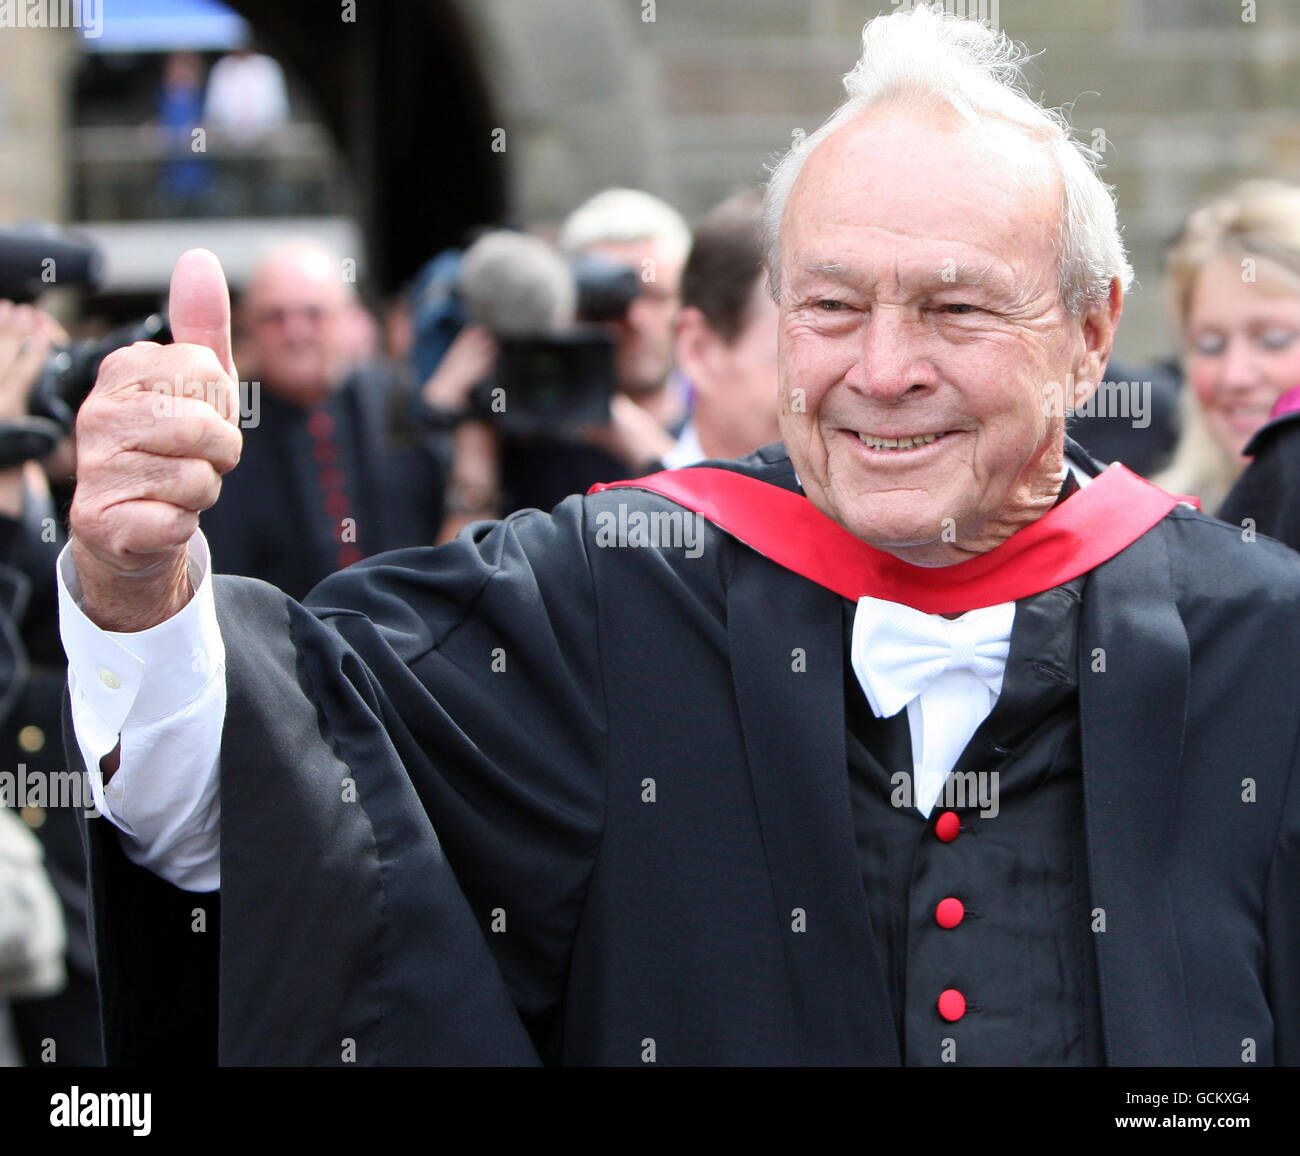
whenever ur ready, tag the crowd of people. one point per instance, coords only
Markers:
(620, 344)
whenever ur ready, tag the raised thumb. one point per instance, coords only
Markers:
(199, 305)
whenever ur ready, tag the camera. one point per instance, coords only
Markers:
(556, 370)
(69, 374)
(549, 386)
(606, 289)
(34, 257)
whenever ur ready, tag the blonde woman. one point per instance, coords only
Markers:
(1233, 277)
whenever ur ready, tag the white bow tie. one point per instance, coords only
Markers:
(897, 652)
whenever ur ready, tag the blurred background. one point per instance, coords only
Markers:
(377, 131)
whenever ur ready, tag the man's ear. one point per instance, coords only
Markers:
(1099, 325)
(697, 348)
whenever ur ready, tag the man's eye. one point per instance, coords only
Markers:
(1276, 338)
(959, 307)
(830, 305)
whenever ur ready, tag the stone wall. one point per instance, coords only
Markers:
(34, 65)
(1183, 96)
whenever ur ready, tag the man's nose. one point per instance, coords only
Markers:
(889, 357)
(299, 325)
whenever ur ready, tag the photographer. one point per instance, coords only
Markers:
(627, 255)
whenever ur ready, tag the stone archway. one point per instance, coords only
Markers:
(576, 95)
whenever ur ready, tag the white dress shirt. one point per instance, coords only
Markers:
(687, 450)
(163, 692)
(946, 672)
(892, 646)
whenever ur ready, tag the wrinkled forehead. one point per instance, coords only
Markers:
(898, 186)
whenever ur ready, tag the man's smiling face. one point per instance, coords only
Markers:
(921, 322)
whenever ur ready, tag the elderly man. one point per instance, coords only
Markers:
(333, 468)
(934, 744)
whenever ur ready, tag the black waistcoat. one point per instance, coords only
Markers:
(1021, 954)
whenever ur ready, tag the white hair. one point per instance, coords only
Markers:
(517, 285)
(625, 215)
(932, 57)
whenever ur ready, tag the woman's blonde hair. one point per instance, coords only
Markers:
(1258, 223)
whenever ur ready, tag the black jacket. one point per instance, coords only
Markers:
(644, 798)
(271, 523)
(1268, 491)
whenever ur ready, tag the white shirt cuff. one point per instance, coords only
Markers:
(161, 693)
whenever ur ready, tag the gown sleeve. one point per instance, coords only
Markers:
(412, 785)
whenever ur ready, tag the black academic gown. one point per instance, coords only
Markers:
(634, 761)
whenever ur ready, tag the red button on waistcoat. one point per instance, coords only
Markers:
(333, 478)
(946, 826)
(337, 505)
(320, 424)
(952, 1004)
(325, 453)
(950, 912)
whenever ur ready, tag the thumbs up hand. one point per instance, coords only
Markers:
(153, 438)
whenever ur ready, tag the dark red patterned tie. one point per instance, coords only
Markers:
(334, 486)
